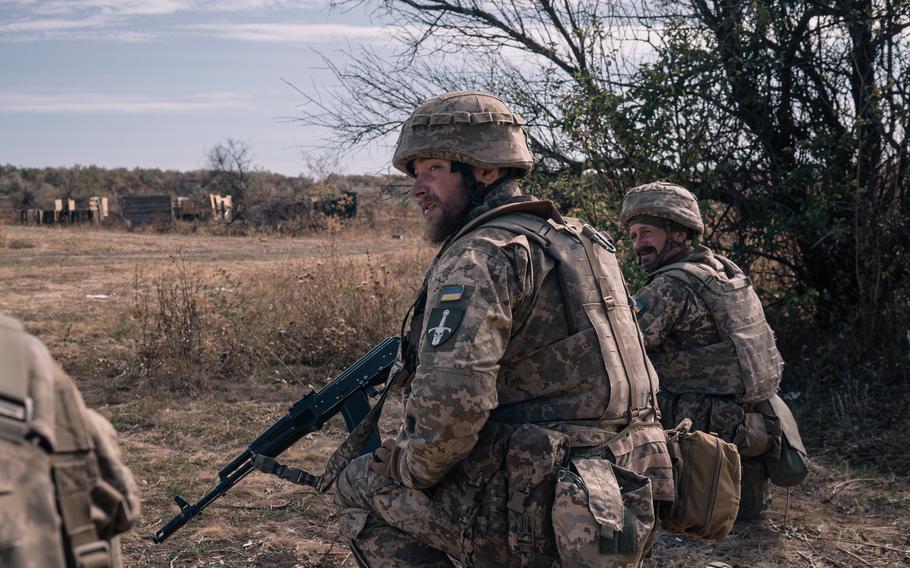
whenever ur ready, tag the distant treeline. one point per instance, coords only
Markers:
(39, 187)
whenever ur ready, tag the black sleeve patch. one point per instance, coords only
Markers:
(441, 325)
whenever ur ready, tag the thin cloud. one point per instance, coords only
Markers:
(82, 103)
(151, 7)
(292, 33)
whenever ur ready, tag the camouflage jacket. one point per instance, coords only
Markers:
(493, 304)
(671, 315)
(705, 329)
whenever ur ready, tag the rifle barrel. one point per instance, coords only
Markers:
(305, 416)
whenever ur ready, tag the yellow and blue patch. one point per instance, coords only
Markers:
(451, 293)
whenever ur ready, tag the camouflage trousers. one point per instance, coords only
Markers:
(721, 415)
(387, 524)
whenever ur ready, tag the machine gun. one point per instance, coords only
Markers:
(347, 394)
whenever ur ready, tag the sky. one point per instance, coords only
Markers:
(128, 83)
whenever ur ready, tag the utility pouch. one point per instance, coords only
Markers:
(532, 464)
(708, 474)
(793, 466)
(114, 496)
(603, 515)
(752, 437)
(642, 449)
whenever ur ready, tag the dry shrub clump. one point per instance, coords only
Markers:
(193, 326)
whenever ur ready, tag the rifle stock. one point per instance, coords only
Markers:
(347, 394)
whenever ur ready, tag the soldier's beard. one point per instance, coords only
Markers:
(451, 219)
(660, 257)
(650, 261)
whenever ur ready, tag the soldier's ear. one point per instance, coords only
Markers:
(679, 237)
(486, 176)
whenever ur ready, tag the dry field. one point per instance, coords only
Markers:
(255, 323)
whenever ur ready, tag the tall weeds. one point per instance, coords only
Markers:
(195, 328)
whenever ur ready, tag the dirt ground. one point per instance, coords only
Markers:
(72, 286)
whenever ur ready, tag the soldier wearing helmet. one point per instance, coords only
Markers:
(519, 367)
(706, 334)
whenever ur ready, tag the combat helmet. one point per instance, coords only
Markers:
(665, 201)
(464, 126)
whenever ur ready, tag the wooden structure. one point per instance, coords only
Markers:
(146, 209)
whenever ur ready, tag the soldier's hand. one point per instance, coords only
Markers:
(386, 459)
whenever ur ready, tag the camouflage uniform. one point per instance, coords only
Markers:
(700, 379)
(498, 378)
(65, 495)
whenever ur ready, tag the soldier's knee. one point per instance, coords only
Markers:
(357, 484)
(349, 481)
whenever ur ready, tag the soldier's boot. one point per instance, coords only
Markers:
(755, 495)
(378, 544)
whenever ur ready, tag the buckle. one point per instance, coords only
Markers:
(15, 409)
(95, 554)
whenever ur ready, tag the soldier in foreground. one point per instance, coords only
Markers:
(517, 376)
(706, 334)
(64, 493)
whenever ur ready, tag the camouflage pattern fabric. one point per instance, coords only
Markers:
(674, 318)
(493, 302)
(603, 515)
(63, 471)
(665, 201)
(32, 539)
(743, 360)
(464, 126)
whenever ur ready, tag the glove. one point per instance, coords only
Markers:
(386, 459)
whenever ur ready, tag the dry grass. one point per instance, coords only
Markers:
(194, 344)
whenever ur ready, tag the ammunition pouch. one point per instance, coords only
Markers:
(708, 474)
(792, 466)
(603, 515)
(758, 435)
(642, 449)
(533, 460)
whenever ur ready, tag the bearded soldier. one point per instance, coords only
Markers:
(530, 431)
(705, 332)
(64, 493)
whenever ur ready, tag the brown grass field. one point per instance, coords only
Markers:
(193, 344)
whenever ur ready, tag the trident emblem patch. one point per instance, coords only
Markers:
(442, 324)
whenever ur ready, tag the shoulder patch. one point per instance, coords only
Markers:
(442, 323)
(451, 293)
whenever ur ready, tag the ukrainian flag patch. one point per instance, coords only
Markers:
(638, 307)
(451, 293)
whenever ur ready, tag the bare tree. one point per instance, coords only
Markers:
(789, 118)
(230, 165)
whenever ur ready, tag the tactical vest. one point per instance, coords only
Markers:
(594, 297)
(27, 388)
(745, 361)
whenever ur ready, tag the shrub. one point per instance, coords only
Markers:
(194, 329)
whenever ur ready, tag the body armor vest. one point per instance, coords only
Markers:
(745, 361)
(596, 305)
(39, 410)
